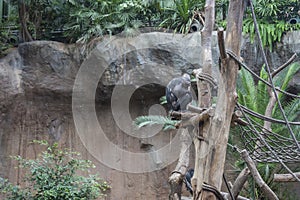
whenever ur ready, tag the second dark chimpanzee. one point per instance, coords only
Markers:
(188, 179)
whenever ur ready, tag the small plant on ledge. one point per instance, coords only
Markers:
(53, 175)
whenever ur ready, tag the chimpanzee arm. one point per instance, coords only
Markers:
(183, 101)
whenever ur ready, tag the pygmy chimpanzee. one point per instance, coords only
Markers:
(178, 93)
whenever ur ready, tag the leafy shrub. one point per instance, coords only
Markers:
(54, 176)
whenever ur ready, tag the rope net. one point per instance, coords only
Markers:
(266, 146)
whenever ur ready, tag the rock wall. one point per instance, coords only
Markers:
(36, 92)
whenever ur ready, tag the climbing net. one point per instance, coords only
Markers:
(265, 145)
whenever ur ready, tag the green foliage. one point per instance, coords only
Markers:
(70, 20)
(270, 32)
(272, 25)
(178, 16)
(8, 32)
(291, 107)
(54, 176)
(163, 100)
(282, 79)
(95, 18)
(253, 96)
(43, 17)
(155, 119)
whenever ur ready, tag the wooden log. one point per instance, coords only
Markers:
(286, 177)
(195, 109)
(223, 54)
(193, 119)
(211, 154)
(236, 119)
(176, 178)
(239, 183)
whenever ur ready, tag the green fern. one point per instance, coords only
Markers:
(270, 32)
(283, 78)
(149, 120)
(292, 112)
(262, 99)
(247, 90)
(163, 100)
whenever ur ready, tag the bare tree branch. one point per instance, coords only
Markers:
(286, 177)
(192, 119)
(239, 183)
(256, 176)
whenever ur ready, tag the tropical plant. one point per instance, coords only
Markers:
(54, 176)
(179, 15)
(96, 18)
(255, 96)
(270, 32)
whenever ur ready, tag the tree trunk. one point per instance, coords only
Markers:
(204, 101)
(211, 151)
(25, 35)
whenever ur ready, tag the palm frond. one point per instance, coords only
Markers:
(163, 100)
(246, 89)
(292, 112)
(284, 77)
(262, 97)
(149, 120)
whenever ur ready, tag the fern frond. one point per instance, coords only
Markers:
(283, 79)
(247, 89)
(163, 100)
(149, 120)
(292, 111)
(262, 98)
(286, 75)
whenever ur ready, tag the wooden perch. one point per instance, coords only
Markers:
(225, 195)
(193, 119)
(236, 119)
(285, 177)
(195, 109)
(182, 115)
(239, 183)
(257, 178)
(279, 69)
(210, 154)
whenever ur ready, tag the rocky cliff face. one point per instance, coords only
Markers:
(36, 90)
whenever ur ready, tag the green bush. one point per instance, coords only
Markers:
(54, 176)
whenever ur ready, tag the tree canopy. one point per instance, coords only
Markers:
(70, 21)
